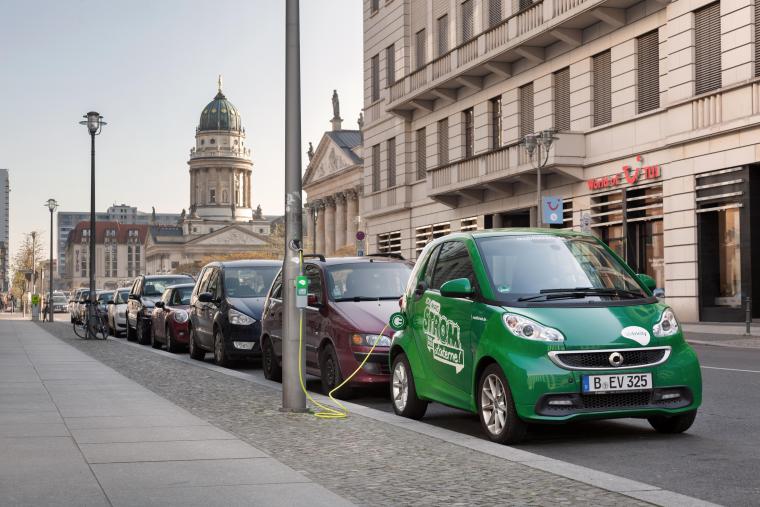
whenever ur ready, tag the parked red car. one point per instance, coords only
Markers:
(350, 302)
(170, 319)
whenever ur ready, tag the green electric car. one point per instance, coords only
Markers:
(538, 326)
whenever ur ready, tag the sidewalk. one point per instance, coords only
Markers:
(727, 334)
(75, 432)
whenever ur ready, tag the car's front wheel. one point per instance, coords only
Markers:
(220, 351)
(195, 351)
(272, 369)
(673, 423)
(329, 369)
(496, 408)
(403, 391)
(143, 338)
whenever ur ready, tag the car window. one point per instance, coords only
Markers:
(181, 296)
(202, 281)
(121, 297)
(277, 287)
(105, 297)
(428, 276)
(360, 280)
(453, 262)
(213, 283)
(166, 296)
(155, 287)
(315, 282)
(248, 281)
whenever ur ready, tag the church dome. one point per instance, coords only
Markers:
(219, 114)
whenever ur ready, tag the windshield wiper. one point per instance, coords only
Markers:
(356, 299)
(582, 292)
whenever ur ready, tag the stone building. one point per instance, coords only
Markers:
(332, 183)
(655, 105)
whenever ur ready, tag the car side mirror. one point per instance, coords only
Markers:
(457, 288)
(647, 281)
(311, 300)
(159, 304)
(134, 297)
(205, 297)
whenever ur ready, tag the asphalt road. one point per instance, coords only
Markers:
(716, 460)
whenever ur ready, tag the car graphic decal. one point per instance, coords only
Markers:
(443, 336)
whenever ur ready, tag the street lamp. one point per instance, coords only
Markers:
(52, 204)
(94, 123)
(538, 145)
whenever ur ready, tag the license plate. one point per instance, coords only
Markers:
(617, 383)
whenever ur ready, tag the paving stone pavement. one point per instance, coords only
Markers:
(360, 459)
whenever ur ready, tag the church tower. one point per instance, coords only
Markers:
(220, 165)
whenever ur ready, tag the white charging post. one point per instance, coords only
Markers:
(302, 291)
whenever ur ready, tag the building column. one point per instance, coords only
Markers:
(352, 211)
(320, 217)
(496, 221)
(310, 229)
(329, 226)
(340, 220)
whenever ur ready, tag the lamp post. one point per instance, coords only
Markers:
(538, 145)
(52, 205)
(94, 123)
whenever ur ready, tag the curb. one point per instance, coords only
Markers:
(602, 480)
(719, 344)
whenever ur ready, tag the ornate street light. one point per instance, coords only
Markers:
(538, 145)
(52, 204)
(94, 123)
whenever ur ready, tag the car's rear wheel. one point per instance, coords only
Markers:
(329, 370)
(129, 333)
(496, 408)
(403, 392)
(171, 346)
(143, 338)
(220, 351)
(195, 351)
(272, 369)
(673, 423)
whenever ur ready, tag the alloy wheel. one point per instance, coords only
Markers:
(330, 372)
(400, 386)
(493, 404)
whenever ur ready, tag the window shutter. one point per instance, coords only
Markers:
(468, 20)
(376, 168)
(602, 88)
(707, 48)
(374, 6)
(390, 63)
(421, 154)
(523, 4)
(391, 162)
(494, 12)
(469, 133)
(526, 109)
(562, 99)
(375, 78)
(419, 47)
(496, 123)
(443, 35)
(649, 72)
(443, 141)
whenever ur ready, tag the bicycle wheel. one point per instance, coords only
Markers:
(80, 330)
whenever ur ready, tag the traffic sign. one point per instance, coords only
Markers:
(360, 235)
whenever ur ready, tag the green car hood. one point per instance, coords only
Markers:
(587, 328)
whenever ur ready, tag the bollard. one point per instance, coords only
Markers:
(748, 314)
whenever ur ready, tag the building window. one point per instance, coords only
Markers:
(443, 141)
(137, 258)
(494, 12)
(391, 147)
(419, 49)
(424, 235)
(375, 92)
(469, 132)
(526, 110)
(468, 20)
(468, 224)
(496, 122)
(224, 196)
(648, 59)
(562, 99)
(421, 154)
(389, 242)
(376, 168)
(524, 4)
(130, 261)
(442, 29)
(390, 63)
(707, 48)
(602, 69)
(212, 195)
(374, 6)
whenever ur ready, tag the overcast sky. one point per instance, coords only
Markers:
(149, 67)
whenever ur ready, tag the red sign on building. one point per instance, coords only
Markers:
(629, 175)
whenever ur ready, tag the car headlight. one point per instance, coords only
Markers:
(371, 340)
(668, 325)
(180, 316)
(523, 327)
(239, 318)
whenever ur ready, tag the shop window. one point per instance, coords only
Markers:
(389, 242)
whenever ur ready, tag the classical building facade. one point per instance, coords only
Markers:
(332, 183)
(655, 105)
(5, 190)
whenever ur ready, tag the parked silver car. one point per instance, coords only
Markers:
(117, 312)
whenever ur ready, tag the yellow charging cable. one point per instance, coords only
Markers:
(327, 412)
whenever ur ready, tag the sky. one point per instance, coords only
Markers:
(150, 67)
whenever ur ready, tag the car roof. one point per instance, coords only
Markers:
(330, 261)
(523, 231)
(157, 277)
(246, 263)
(180, 285)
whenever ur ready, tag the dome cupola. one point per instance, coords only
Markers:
(219, 114)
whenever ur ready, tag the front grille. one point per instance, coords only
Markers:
(615, 400)
(600, 359)
(584, 403)
(381, 360)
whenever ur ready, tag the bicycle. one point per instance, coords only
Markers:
(94, 325)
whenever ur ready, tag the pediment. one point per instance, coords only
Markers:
(329, 159)
(231, 236)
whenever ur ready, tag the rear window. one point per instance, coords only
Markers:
(154, 287)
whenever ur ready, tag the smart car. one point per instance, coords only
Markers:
(170, 318)
(350, 300)
(539, 326)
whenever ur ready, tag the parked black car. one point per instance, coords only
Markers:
(225, 309)
(145, 291)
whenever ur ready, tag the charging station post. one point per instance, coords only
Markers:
(293, 398)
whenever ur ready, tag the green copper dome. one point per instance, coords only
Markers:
(219, 114)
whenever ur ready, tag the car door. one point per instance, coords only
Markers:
(196, 307)
(133, 305)
(447, 321)
(209, 310)
(313, 316)
(159, 314)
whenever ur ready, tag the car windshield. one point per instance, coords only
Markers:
(59, 300)
(84, 295)
(249, 281)
(360, 281)
(154, 287)
(540, 267)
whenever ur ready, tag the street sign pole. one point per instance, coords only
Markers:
(293, 398)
